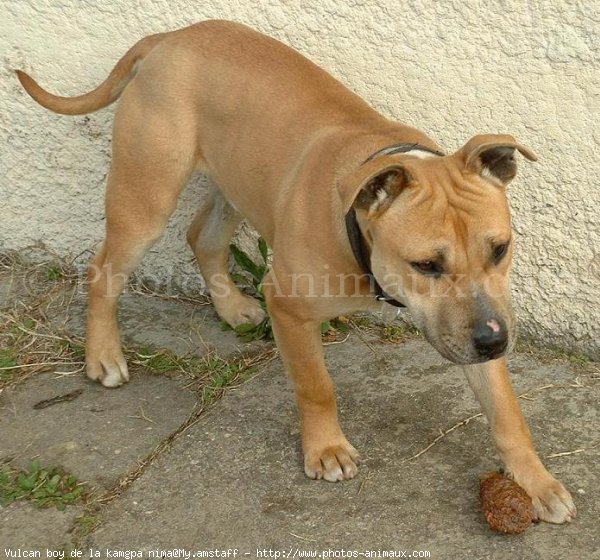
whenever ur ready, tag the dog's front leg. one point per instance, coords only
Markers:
(491, 383)
(327, 453)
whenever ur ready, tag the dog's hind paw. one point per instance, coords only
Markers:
(110, 368)
(239, 309)
(333, 463)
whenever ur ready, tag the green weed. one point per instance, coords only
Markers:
(163, 361)
(46, 486)
(7, 362)
(221, 373)
(54, 272)
(253, 274)
(84, 525)
(214, 372)
(393, 334)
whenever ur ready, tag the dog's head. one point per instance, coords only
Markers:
(440, 235)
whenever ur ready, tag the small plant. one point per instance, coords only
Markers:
(54, 272)
(255, 273)
(46, 486)
(363, 322)
(248, 332)
(393, 334)
(16, 329)
(76, 350)
(85, 524)
(221, 373)
(330, 330)
(398, 333)
(163, 361)
(579, 360)
(212, 371)
(7, 363)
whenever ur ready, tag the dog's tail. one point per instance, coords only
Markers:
(105, 94)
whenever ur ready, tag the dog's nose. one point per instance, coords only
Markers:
(490, 338)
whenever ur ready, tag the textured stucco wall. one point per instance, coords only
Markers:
(453, 69)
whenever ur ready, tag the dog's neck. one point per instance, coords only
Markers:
(356, 238)
(413, 149)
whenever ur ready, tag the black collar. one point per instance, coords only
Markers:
(361, 254)
(355, 236)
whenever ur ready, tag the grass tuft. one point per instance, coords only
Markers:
(398, 333)
(83, 526)
(54, 272)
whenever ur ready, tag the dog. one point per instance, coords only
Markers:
(360, 212)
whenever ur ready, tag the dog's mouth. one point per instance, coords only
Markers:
(470, 339)
(469, 358)
(468, 354)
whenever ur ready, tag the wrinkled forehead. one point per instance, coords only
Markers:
(445, 197)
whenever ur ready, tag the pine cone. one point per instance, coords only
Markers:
(506, 506)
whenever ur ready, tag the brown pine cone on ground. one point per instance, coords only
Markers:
(506, 506)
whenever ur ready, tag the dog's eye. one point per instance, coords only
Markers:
(499, 252)
(429, 268)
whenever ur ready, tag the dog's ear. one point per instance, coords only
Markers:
(374, 186)
(378, 192)
(493, 156)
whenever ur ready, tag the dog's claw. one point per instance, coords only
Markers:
(114, 376)
(551, 500)
(333, 463)
(109, 368)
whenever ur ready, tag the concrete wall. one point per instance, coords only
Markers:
(453, 69)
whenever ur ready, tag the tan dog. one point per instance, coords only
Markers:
(298, 154)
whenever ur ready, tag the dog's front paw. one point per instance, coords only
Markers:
(334, 462)
(551, 500)
(107, 366)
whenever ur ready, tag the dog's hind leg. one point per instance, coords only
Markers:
(209, 237)
(152, 160)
